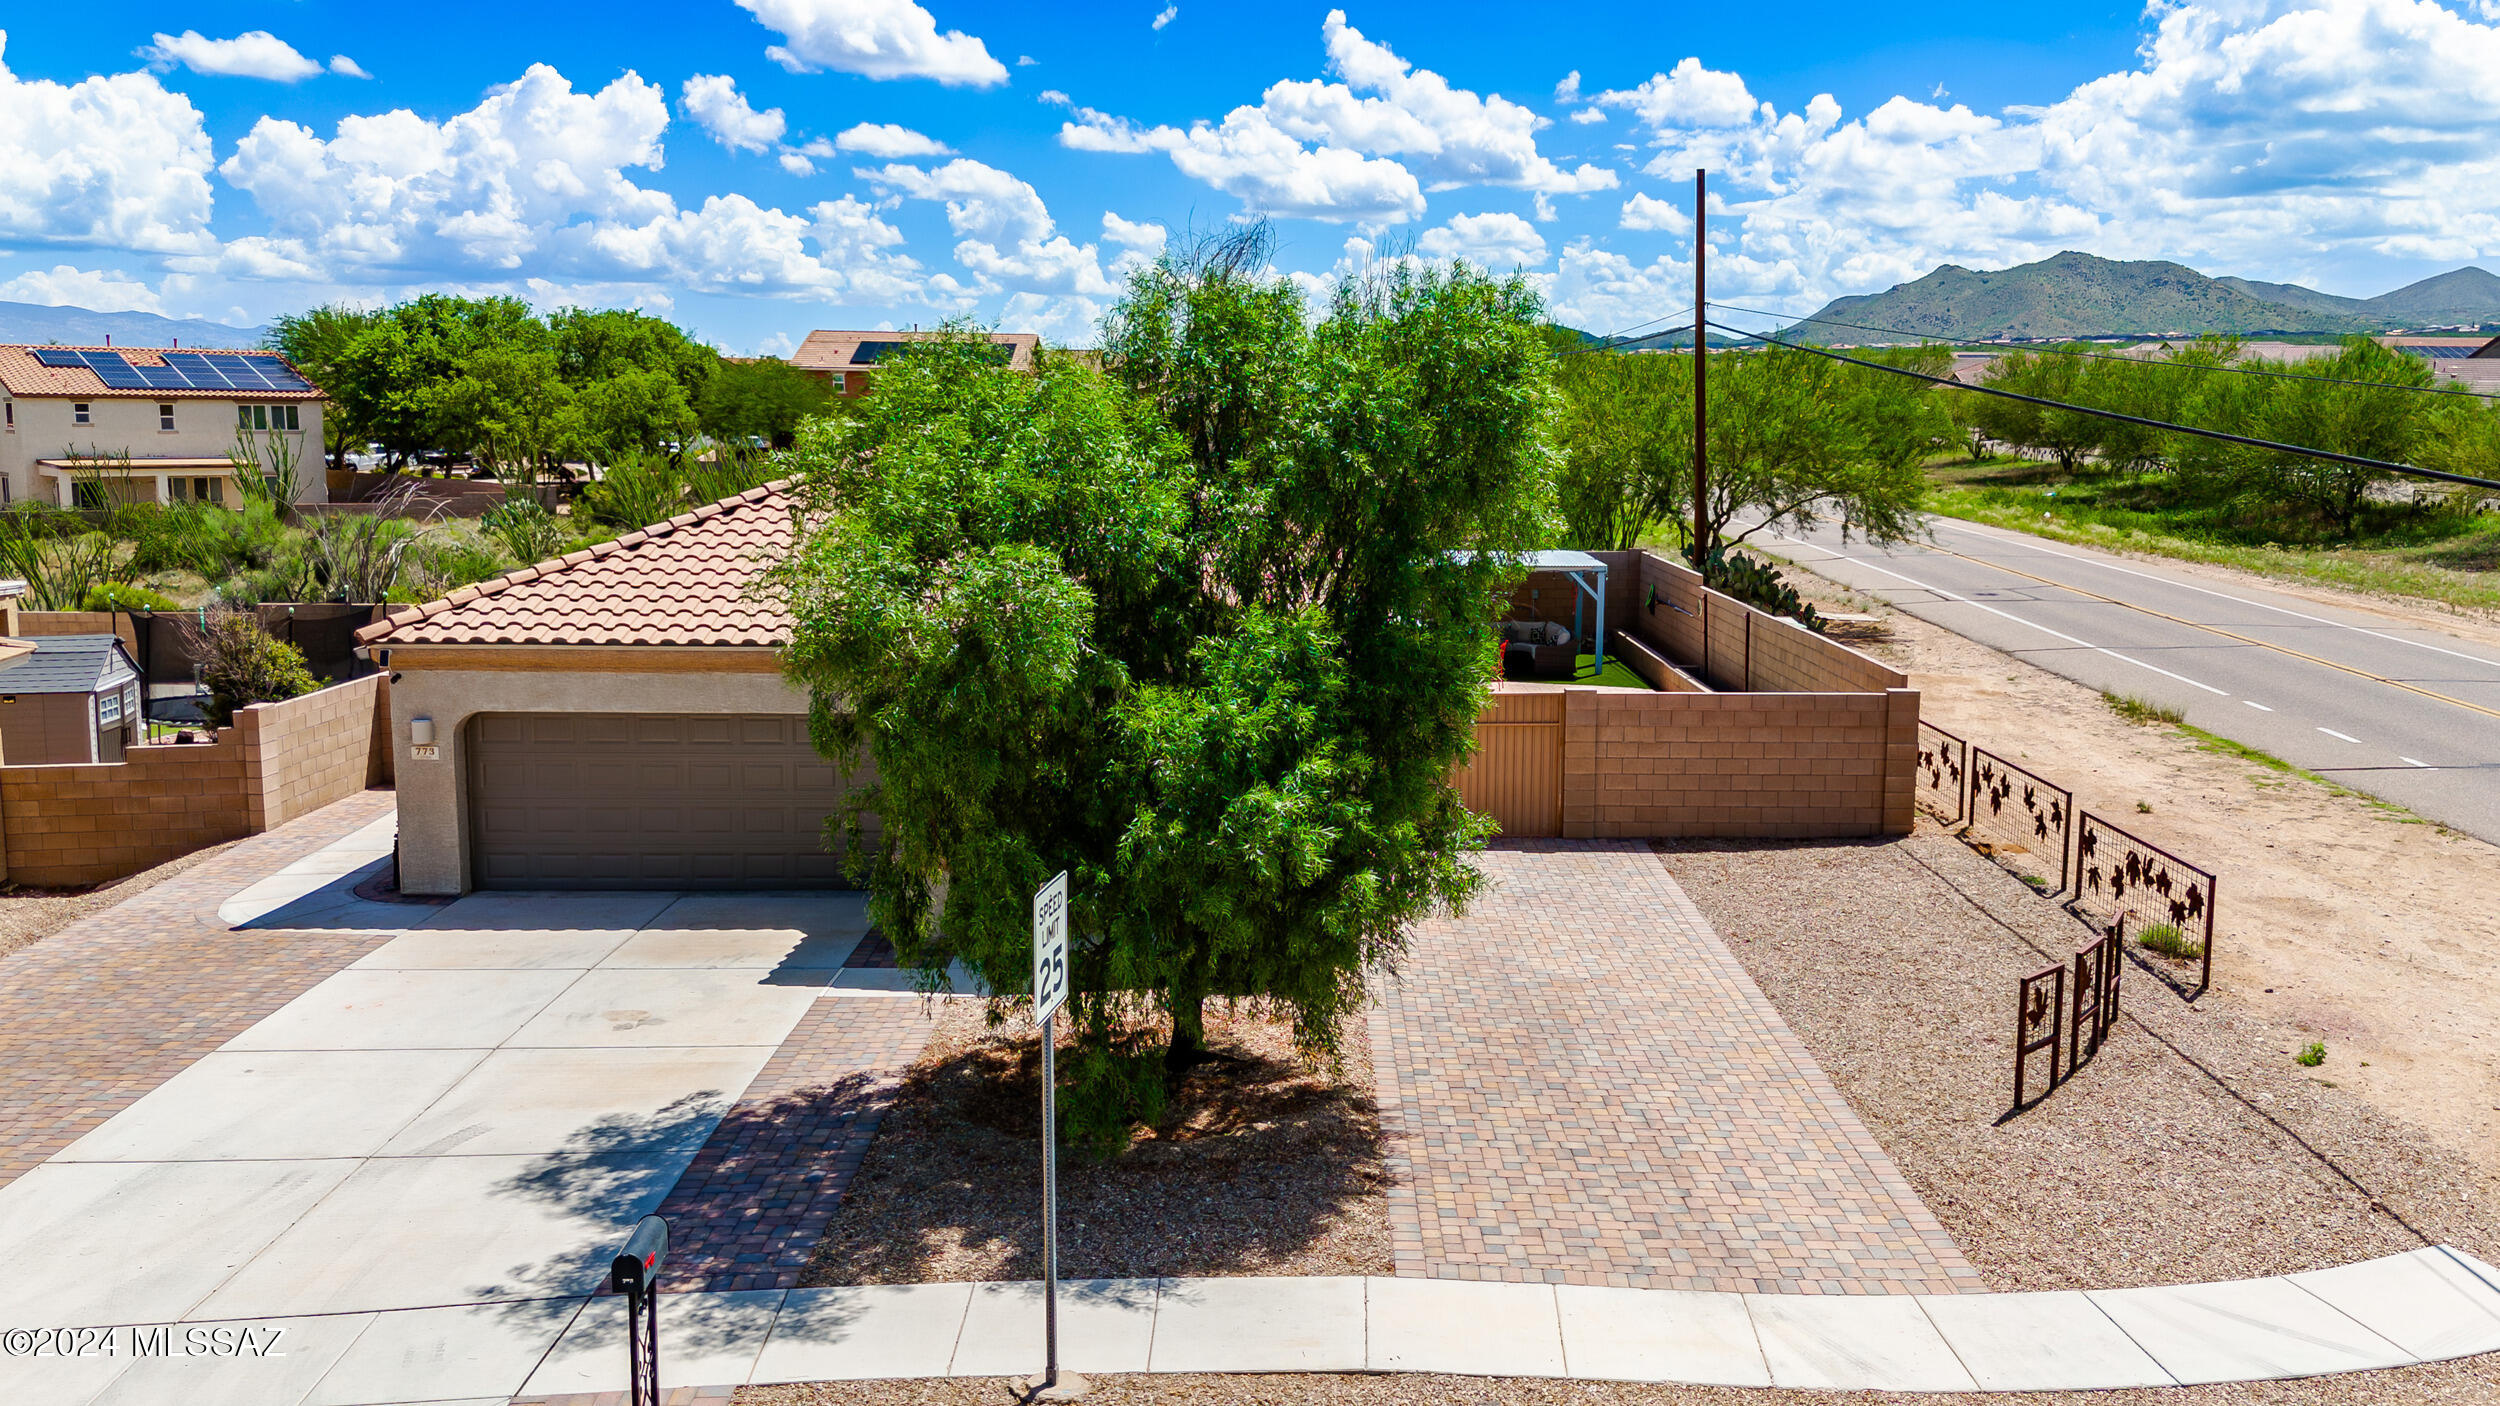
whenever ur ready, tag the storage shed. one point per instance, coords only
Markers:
(70, 699)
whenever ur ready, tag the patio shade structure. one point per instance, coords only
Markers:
(1589, 575)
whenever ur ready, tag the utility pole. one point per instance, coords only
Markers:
(1701, 376)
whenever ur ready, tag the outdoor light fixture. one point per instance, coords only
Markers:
(421, 731)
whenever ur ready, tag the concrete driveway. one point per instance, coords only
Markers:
(416, 1169)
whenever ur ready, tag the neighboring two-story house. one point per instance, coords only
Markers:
(847, 361)
(80, 425)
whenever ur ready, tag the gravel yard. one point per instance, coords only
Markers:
(29, 915)
(2475, 1381)
(2192, 1148)
(1264, 1167)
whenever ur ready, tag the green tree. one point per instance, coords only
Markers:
(241, 664)
(2347, 419)
(506, 409)
(1626, 438)
(765, 398)
(1207, 632)
(632, 411)
(2066, 435)
(318, 342)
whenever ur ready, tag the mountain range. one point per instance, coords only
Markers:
(36, 323)
(2082, 295)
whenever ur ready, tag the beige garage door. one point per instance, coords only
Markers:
(649, 801)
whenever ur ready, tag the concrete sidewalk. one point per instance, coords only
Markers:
(2425, 1306)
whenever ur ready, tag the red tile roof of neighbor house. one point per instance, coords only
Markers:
(679, 582)
(22, 375)
(839, 351)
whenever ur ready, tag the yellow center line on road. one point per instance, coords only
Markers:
(2354, 670)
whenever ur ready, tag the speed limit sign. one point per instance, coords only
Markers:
(1050, 948)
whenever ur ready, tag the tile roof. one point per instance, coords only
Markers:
(679, 582)
(22, 375)
(66, 664)
(833, 351)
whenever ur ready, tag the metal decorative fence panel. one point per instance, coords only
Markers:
(2039, 1017)
(2020, 820)
(1943, 774)
(2128, 887)
(2095, 1000)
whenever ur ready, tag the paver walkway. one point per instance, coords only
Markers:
(119, 1001)
(1584, 1087)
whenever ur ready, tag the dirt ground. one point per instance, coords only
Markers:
(2188, 1149)
(29, 915)
(2473, 1382)
(1263, 1167)
(2339, 920)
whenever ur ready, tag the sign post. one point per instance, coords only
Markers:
(1050, 992)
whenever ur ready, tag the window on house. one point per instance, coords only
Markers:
(108, 709)
(209, 490)
(292, 423)
(260, 417)
(88, 497)
(841, 383)
(164, 416)
(11, 409)
(243, 417)
(78, 414)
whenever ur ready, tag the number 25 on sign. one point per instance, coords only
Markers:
(1050, 948)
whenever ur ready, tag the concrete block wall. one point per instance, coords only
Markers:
(307, 752)
(1744, 649)
(31, 623)
(1733, 766)
(90, 824)
(65, 826)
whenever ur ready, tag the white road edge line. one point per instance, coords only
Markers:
(1992, 610)
(2345, 737)
(2408, 761)
(2015, 541)
(2253, 703)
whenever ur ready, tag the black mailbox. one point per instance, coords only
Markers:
(637, 1267)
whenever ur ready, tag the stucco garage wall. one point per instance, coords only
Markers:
(434, 841)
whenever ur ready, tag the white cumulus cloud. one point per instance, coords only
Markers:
(887, 140)
(1647, 212)
(1498, 241)
(716, 105)
(873, 38)
(253, 54)
(110, 162)
(65, 286)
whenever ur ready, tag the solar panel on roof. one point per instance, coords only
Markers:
(58, 356)
(280, 375)
(239, 372)
(115, 371)
(197, 372)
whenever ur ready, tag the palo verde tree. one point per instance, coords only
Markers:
(1206, 630)
(1796, 439)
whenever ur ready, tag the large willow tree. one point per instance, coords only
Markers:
(1205, 628)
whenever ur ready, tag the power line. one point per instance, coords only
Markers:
(1623, 335)
(2130, 360)
(2329, 455)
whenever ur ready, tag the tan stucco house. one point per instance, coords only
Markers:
(848, 361)
(615, 718)
(162, 419)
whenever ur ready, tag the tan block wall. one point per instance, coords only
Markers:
(62, 826)
(31, 623)
(1728, 766)
(89, 824)
(1745, 648)
(307, 752)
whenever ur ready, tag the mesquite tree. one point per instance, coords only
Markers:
(1206, 628)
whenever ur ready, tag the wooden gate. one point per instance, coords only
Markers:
(1517, 773)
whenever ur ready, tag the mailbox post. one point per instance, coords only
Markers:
(636, 1275)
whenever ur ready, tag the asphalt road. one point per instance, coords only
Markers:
(2402, 711)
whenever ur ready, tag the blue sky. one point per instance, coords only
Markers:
(756, 168)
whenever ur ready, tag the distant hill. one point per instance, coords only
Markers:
(2458, 297)
(38, 324)
(2293, 295)
(2071, 295)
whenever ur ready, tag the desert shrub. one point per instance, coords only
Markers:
(242, 664)
(2311, 1055)
(354, 558)
(2166, 939)
(635, 492)
(121, 595)
(445, 558)
(528, 531)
